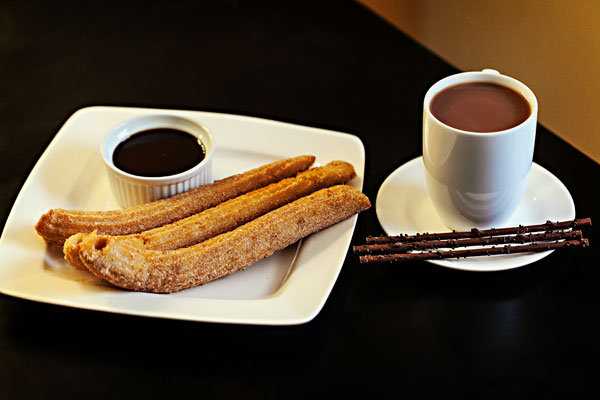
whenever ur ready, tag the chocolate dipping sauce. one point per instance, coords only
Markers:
(158, 152)
(480, 107)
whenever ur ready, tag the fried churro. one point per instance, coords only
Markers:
(57, 224)
(128, 264)
(230, 214)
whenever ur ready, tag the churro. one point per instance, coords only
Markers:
(128, 264)
(57, 224)
(230, 214)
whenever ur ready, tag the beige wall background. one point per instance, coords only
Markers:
(552, 46)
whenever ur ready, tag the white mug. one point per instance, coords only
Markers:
(476, 180)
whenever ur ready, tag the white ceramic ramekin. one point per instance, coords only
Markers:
(131, 190)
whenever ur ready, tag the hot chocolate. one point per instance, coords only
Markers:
(480, 107)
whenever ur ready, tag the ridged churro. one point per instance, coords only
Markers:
(128, 264)
(230, 214)
(57, 224)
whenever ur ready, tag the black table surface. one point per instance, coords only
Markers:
(385, 330)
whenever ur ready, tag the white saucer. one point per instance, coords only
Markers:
(403, 206)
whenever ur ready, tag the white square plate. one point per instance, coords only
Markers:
(290, 287)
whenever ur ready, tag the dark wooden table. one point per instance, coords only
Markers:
(385, 331)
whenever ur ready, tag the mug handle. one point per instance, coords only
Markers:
(490, 71)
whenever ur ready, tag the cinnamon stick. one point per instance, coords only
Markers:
(488, 251)
(400, 247)
(474, 233)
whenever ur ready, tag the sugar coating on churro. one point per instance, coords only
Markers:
(58, 224)
(128, 264)
(230, 214)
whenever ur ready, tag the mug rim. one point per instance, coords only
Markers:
(486, 75)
